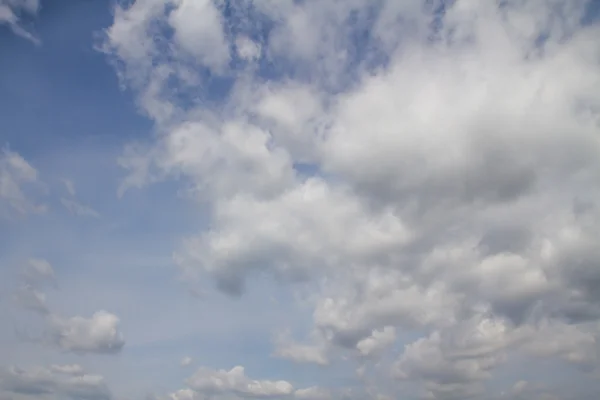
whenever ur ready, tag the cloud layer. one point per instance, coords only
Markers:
(453, 164)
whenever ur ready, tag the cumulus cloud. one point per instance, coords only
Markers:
(377, 342)
(208, 383)
(423, 170)
(98, 334)
(57, 380)
(235, 381)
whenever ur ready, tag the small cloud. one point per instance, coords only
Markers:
(37, 271)
(186, 361)
(15, 174)
(247, 49)
(70, 186)
(79, 209)
(99, 334)
(68, 369)
(9, 15)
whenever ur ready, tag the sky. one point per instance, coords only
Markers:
(299, 199)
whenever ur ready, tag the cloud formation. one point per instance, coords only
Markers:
(416, 180)
(453, 161)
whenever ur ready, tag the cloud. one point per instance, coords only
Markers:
(207, 383)
(79, 209)
(418, 171)
(286, 347)
(69, 369)
(30, 298)
(37, 271)
(186, 361)
(453, 363)
(10, 11)
(97, 334)
(247, 49)
(15, 174)
(58, 380)
(313, 393)
(69, 186)
(235, 382)
(377, 342)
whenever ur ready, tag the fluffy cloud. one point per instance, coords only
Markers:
(377, 342)
(98, 334)
(207, 383)
(420, 171)
(235, 381)
(67, 381)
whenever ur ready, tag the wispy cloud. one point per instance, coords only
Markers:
(10, 11)
(76, 208)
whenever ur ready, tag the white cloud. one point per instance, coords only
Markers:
(79, 209)
(313, 393)
(199, 31)
(186, 361)
(452, 363)
(10, 11)
(286, 347)
(37, 271)
(377, 342)
(247, 49)
(235, 381)
(69, 186)
(15, 173)
(451, 192)
(98, 334)
(69, 369)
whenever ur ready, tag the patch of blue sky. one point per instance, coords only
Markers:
(62, 91)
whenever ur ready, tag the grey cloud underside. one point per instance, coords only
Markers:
(68, 381)
(456, 157)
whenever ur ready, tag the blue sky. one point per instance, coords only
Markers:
(215, 200)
